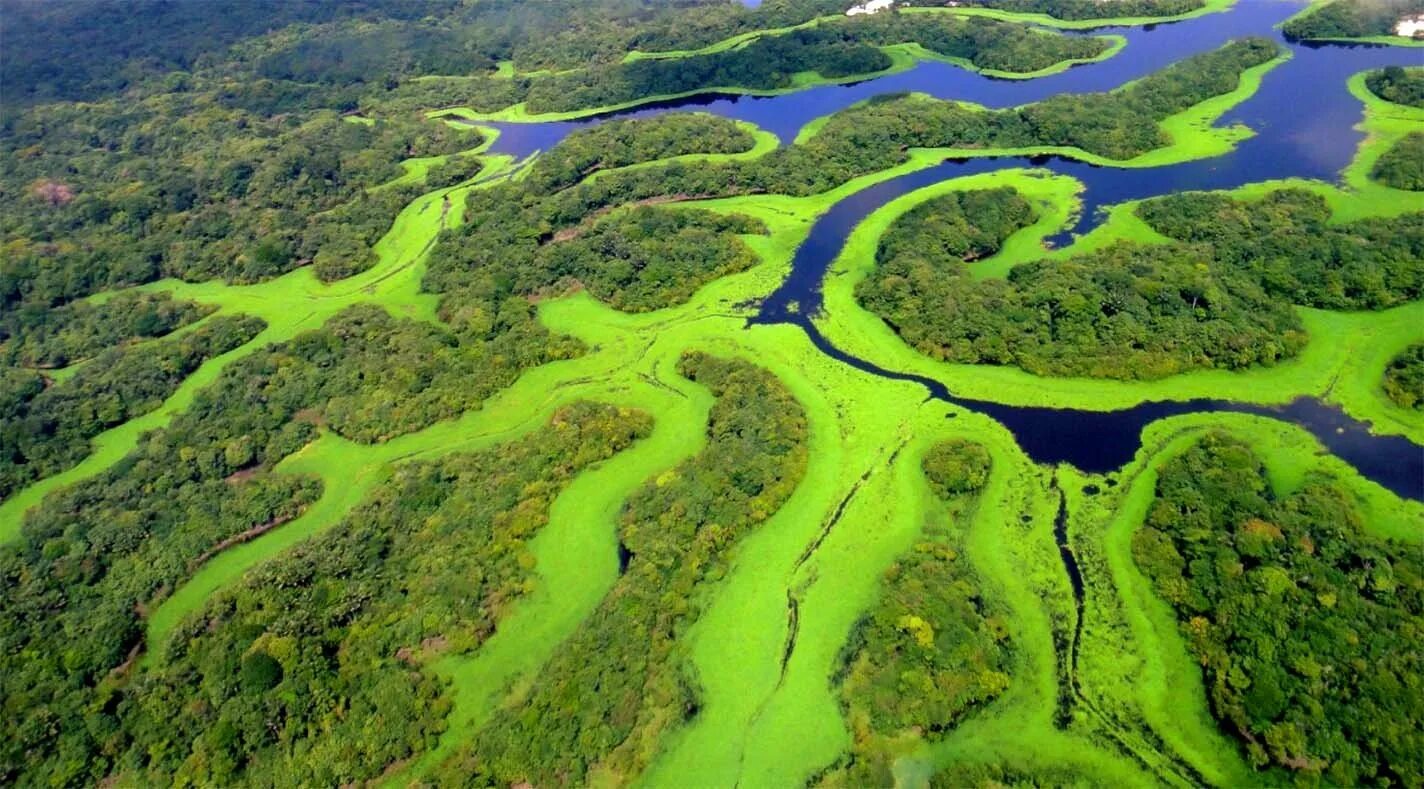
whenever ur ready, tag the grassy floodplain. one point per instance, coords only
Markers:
(768, 714)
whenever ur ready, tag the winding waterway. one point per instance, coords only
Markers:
(1303, 118)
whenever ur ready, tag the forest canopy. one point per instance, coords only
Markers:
(1350, 19)
(1399, 85)
(1304, 622)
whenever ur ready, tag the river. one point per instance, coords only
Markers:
(1303, 117)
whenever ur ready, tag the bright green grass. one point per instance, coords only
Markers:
(760, 724)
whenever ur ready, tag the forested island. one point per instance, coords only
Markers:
(627, 392)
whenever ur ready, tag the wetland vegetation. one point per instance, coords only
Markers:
(344, 443)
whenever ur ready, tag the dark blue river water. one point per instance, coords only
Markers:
(1303, 119)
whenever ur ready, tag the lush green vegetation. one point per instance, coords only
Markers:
(1091, 9)
(48, 425)
(34, 335)
(1399, 85)
(933, 649)
(95, 201)
(1220, 297)
(1402, 166)
(1302, 620)
(1286, 242)
(621, 143)
(1340, 19)
(1404, 378)
(497, 484)
(677, 532)
(835, 49)
(338, 629)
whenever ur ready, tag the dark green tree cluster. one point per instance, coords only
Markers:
(35, 335)
(90, 563)
(47, 427)
(313, 670)
(1221, 297)
(1350, 19)
(1399, 85)
(643, 258)
(117, 193)
(956, 467)
(1404, 378)
(635, 258)
(620, 143)
(1402, 166)
(957, 227)
(1305, 624)
(345, 376)
(1286, 243)
(837, 48)
(83, 49)
(620, 681)
(1123, 312)
(931, 650)
(1079, 10)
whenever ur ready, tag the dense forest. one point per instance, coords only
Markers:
(1402, 166)
(32, 335)
(94, 557)
(96, 201)
(48, 424)
(619, 143)
(1351, 19)
(932, 650)
(835, 49)
(348, 619)
(242, 142)
(1404, 378)
(307, 641)
(1305, 624)
(1218, 298)
(1399, 85)
(677, 532)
